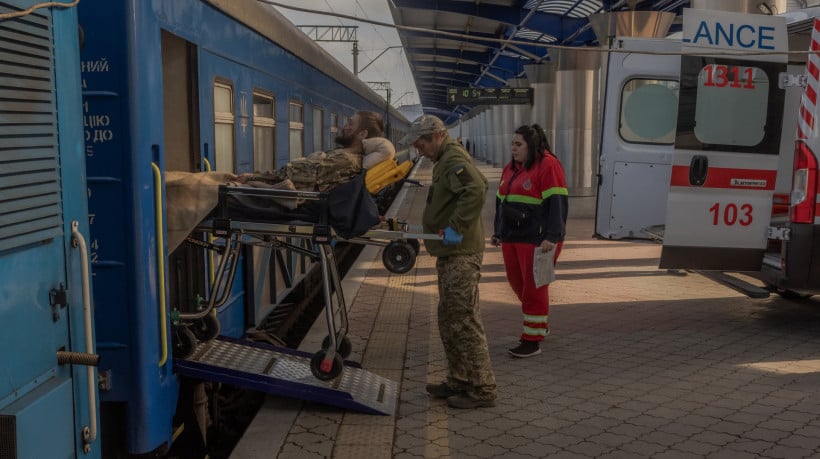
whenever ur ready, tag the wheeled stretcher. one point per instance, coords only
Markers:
(252, 216)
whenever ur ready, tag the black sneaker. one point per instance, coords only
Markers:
(441, 390)
(525, 349)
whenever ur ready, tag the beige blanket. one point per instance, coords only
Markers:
(191, 196)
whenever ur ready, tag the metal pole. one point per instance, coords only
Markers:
(387, 115)
(356, 58)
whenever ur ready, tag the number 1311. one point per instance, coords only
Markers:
(721, 76)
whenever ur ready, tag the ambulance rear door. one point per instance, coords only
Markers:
(727, 142)
(637, 136)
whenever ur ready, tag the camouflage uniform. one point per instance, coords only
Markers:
(322, 173)
(459, 324)
(456, 199)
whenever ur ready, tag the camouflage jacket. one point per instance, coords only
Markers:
(310, 174)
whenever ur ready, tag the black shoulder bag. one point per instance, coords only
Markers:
(511, 215)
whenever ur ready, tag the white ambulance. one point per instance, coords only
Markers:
(700, 147)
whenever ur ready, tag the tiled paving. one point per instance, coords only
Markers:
(639, 362)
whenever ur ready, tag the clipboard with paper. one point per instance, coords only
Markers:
(543, 267)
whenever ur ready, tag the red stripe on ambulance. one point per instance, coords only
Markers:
(728, 178)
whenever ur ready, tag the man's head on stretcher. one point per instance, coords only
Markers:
(362, 125)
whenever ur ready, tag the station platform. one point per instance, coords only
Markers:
(639, 362)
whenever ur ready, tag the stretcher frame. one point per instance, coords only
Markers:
(327, 363)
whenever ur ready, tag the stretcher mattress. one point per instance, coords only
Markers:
(347, 208)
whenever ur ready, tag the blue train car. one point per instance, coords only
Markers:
(48, 394)
(186, 85)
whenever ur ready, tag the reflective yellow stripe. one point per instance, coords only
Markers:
(524, 199)
(554, 190)
(536, 319)
(535, 331)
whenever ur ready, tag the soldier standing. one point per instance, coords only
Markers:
(454, 204)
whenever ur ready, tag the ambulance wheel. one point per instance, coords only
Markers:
(206, 328)
(316, 366)
(345, 347)
(184, 342)
(399, 257)
(415, 244)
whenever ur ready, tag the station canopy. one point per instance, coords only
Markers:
(472, 49)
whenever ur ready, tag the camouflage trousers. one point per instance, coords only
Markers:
(459, 323)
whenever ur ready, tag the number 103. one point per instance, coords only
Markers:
(730, 214)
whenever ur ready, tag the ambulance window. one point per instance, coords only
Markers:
(649, 111)
(731, 105)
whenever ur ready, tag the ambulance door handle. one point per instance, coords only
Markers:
(698, 169)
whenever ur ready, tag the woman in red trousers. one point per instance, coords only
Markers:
(530, 212)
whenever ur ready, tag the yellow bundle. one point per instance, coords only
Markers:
(385, 173)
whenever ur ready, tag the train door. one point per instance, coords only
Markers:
(187, 263)
(727, 142)
(47, 405)
(226, 102)
(636, 141)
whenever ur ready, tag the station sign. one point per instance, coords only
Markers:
(489, 96)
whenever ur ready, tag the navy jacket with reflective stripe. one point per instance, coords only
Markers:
(537, 202)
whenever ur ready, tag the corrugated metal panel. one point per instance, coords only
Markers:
(30, 200)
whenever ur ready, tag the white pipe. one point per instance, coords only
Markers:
(78, 239)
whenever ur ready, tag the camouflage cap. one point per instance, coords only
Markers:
(425, 124)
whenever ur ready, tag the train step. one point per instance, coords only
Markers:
(286, 372)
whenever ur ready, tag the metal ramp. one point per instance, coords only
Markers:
(286, 372)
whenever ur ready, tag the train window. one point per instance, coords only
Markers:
(264, 124)
(318, 129)
(223, 127)
(297, 130)
(334, 126)
(649, 111)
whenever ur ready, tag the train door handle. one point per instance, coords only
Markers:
(698, 169)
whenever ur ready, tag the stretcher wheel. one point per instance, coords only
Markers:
(415, 244)
(326, 374)
(399, 257)
(184, 342)
(206, 328)
(345, 347)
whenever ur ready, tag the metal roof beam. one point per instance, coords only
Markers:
(557, 26)
(467, 56)
(447, 65)
(495, 77)
(433, 77)
(510, 15)
(446, 68)
(486, 43)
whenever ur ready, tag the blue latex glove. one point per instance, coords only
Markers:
(451, 236)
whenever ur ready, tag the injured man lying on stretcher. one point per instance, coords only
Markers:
(192, 196)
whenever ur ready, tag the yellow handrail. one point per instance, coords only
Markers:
(163, 327)
(211, 237)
